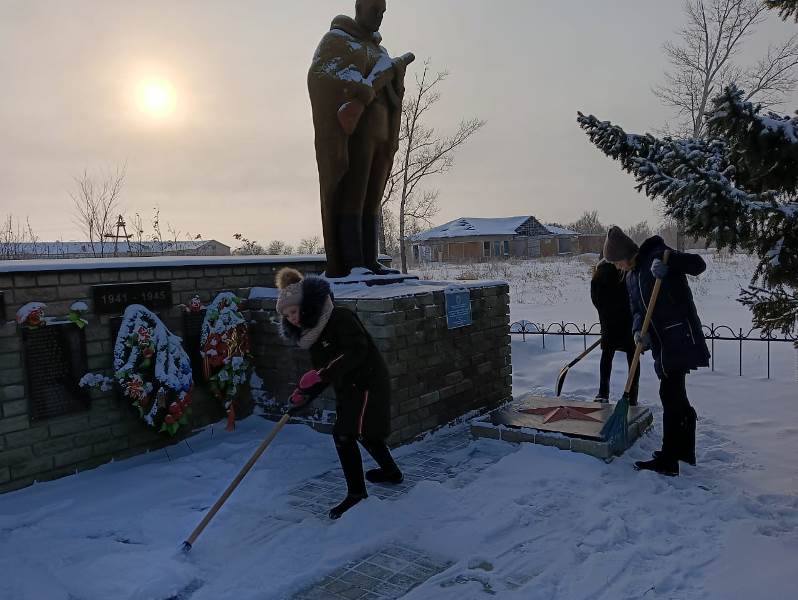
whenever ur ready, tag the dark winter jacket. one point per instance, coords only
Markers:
(352, 364)
(611, 299)
(677, 341)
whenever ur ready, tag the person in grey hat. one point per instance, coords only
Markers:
(676, 338)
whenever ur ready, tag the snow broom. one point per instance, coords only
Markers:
(233, 484)
(616, 429)
(565, 369)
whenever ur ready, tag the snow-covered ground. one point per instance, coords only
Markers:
(560, 525)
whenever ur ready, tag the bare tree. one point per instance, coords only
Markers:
(390, 233)
(138, 234)
(309, 245)
(588, 223)
(787, 8)
(96, 206)
(640, 232)
(17, 240)
(703, 61)
(279, 247)
(248, 247)
(422, 153)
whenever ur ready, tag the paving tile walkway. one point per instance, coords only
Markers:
(387, 574)
(430, 463)
(391, 572)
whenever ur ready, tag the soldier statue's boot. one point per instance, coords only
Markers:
(371, 233)
(350, 242)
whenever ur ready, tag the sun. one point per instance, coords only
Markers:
(156, 99)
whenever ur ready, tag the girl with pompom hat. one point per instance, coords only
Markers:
(343, 355)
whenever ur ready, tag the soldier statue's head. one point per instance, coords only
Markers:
(369, 13)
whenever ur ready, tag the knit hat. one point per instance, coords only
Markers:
(618, 246)
(289, 282)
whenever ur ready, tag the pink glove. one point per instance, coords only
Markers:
(309, 380)
(297, 398)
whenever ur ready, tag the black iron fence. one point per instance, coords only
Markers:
(713, 333)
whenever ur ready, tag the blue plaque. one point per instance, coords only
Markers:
(458, 308)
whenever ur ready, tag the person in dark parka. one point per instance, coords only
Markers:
(675, 336)
(343, 355)
(609, 296)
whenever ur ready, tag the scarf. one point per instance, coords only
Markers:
(308, 337)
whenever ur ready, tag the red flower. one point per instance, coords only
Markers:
(135, 389)
(35, 317)
(144, 335)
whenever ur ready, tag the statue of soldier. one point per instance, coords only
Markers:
(356, 92)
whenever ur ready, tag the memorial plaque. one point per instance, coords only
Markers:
(2, 307)
(116, 297)
(55, 361)
(458, 308)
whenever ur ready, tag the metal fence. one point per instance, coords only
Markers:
(713, 333)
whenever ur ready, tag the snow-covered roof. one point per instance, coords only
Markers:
(88, 264)
(560, 230)
(58, 248)
(468, 226)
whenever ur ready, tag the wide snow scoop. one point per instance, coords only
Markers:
(616, 429)
(230, 488)
(564, 370)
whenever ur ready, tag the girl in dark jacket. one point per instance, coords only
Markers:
(609, 296)
(343, 355)
(675, 336)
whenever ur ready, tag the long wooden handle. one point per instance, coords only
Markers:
(646, 322)
(241, 474)
(585, 353)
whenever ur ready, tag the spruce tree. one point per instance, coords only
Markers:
(787, 8)
(737, 187)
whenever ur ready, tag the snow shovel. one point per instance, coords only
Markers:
(616, 428)
(564, 370)
(230, 488)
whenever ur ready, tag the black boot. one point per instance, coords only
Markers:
(661, 464)
(371, 234)
(347, 503)
(685, 447)
(352, 465)
(388, 471)
(382, 476)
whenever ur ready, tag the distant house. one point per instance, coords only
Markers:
(478, 239)
(50, 250)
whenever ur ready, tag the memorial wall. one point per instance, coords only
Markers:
(75, 393)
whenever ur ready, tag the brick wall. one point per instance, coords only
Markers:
(51, 448)
(437, 374)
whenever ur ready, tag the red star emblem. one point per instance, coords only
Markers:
(563, 413)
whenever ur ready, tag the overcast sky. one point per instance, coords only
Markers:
(235, 154)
